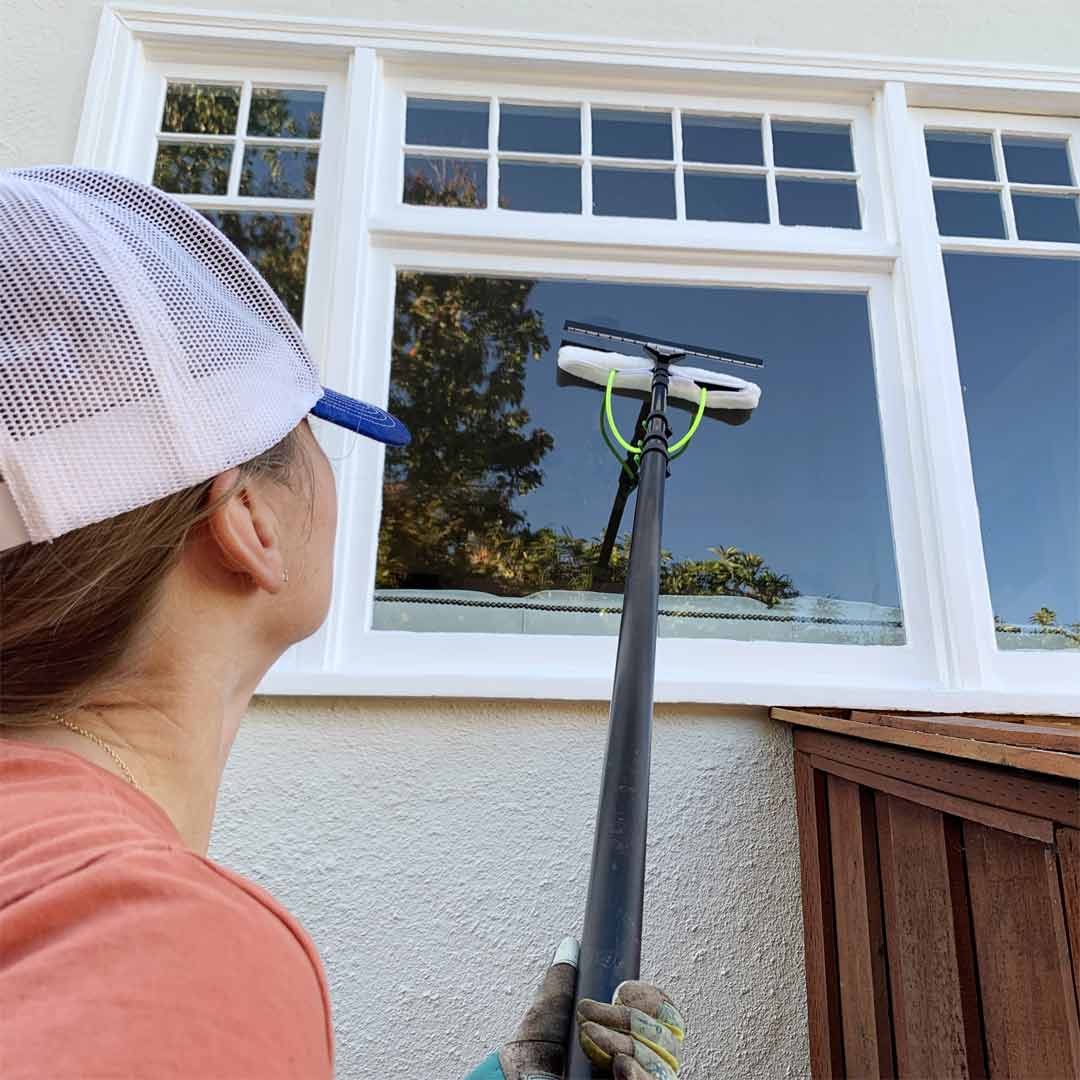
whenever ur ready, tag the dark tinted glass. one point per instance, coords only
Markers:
(201, 109)
(501, 499)
(294, 114)
(727, 140)
(279, 173)
(435, 122)
(1017, 328)
(439, 181)
(969, 213)
(797, 145)
(722, 197)
(834, 203)
(633, 193)
(632, 133)
(542, 129)
(193, 168)
(1046, 217)
(966, 155)
(1036, 161)
(546, 188)
(277, 246)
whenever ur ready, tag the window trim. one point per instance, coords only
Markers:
(956, 671)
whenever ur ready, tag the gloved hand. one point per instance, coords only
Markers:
(638, 1037)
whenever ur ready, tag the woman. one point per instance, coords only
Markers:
(167, 525)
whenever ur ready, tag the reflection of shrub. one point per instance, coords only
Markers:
(447, 186)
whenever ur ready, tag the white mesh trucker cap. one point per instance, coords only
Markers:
(140, 353)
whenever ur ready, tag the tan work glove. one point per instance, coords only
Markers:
(637, 1037)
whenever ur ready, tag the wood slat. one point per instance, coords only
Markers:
(860, 939)
(1046, 797)
(1051, 763)
(994, 816)
(935, 1004)
(1025, 976)
(819, 922)
(1068, 849)
(1040, 736)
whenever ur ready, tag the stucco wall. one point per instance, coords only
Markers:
(47, 43)
(436, 850)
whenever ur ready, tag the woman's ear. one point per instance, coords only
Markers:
(244, 532)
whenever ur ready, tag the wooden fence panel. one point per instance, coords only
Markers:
(935, 1003)
(1025, 977)
(864, 993)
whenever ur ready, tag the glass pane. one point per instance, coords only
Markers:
(1017, 327)
(727, 140)
(1036, 161)
(723, 197)
(632, 133)
(277, 246)
(633, 193)
(201, 109)
(193, 168)
(546, 188)
(433, 122)
(812, 146)
(294, 114)
(540, 128)
(965, 155)
(493, 516)
(283, 174)
(1046, 217)
(969, 213)
(436, 181)
(818, 202)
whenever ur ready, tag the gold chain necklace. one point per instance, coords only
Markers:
(129, 776)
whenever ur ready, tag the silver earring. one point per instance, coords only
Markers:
(285, 576)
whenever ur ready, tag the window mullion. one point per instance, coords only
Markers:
(1006, 194)
(767, 147)
(680, 190)
(237, 165)
(586, 167)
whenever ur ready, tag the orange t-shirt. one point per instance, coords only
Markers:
(124, 954)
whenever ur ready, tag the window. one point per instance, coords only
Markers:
(494, 518)
(247, 156)
(608, 161)
(1016, 322)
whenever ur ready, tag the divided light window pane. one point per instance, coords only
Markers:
(798, 145)
(1017, 326)
(541, 129)
(1046, 217)
(961, 155)
(712, 196)
(193, 168)
(969, 213)
(633, 192)
(289, 114)
(492, 520)
(632, 133)
(445, 181)
(1036, 161)
(437, 122)
(200, 109)
(270, 172)
(726, 140)
(540, 187)
(833, 203)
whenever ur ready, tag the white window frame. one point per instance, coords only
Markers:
(950, 660)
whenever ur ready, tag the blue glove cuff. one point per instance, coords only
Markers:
(488, 1069)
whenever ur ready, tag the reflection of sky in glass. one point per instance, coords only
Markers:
(540, 129)
(540, 187)
(434, 122)
(801, 484)
(714, 196)
(1017, 326)
(799, 145)
(633, 192)
(278, 173)
(1036, 161)
(831, 203)
(632, 133)
(969, 213)
(963, 155)
(1046, 217)
(727, 140)
(293, 114)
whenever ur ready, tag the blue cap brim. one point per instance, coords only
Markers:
(360, 417)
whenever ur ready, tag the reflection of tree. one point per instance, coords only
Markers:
(460, 354)
(192, 168)
(201, 109)
(443, 182)
(1046, 621)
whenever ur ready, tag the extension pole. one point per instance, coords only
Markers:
(611, 940)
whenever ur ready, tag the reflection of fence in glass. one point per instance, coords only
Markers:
(492, 517)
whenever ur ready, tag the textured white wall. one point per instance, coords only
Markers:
(436, 850)
(47, 43)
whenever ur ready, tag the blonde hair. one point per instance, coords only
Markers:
(69, 609)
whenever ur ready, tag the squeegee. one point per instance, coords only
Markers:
(611, 939)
